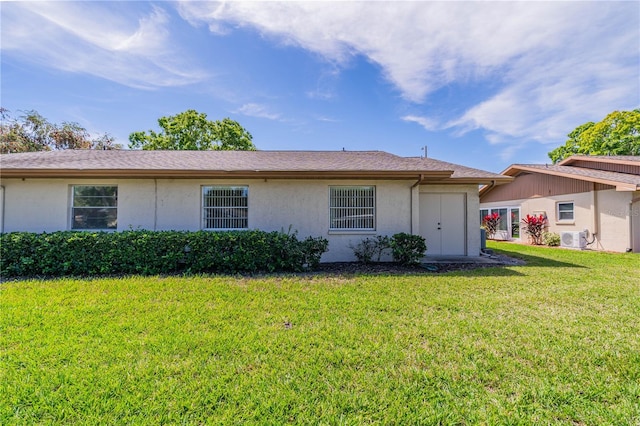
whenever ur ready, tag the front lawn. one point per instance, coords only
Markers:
(554, 342)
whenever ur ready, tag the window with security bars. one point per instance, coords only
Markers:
(352, 208)
(94, 207)
(225, 207)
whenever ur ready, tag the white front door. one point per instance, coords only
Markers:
(443, 224)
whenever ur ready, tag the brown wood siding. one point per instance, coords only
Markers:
(533, 185)
(610, 167)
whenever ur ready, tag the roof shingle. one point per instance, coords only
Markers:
(622, 159)
(582, 172)
(246, 163)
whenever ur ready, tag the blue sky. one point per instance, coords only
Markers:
(483, 84)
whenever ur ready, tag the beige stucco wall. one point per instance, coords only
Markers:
(603, 212)
(43, 205)
(614, 220)
(35, 205)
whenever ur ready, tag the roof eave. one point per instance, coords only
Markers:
(620, 186)
(574, 158)
(492, 183)
(487, 181)
(239, 174)
(627, 187)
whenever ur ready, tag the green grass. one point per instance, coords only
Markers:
(554, 342)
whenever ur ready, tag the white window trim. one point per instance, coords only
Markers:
(511, 209)
(202, 207)
(573, 213)
(354, 231)
(72, 207)
(509, 229)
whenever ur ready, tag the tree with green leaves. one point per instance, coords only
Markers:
(617, 134)
(32, 132)
(190, 130)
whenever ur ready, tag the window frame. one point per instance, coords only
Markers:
(515, 225)
(333, 208)
(483, 215)
(204, 208)
(507, 223)
(73, 207)
(572, 211)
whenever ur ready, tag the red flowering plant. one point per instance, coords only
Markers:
(534, 226)
(490, 223)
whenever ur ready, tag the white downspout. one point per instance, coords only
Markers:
(155, 207)
(1, 209)
(415, 203)
(594, 203)
(631, 240)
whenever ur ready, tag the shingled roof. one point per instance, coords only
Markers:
(566, 168)
(238, 164)
(617, 159)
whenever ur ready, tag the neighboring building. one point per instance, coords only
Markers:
(343, 196)
(597, 194)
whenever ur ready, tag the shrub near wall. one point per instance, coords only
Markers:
(155, 252)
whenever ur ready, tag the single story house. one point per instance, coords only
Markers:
(343, 196)
(591, 201)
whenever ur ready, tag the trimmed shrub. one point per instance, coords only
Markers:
(312, 249)
(551, 239)
(155, 252)
(367, 248)
(408, 249)
(364, 250)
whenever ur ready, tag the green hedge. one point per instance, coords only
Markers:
(407, 249)
(155, 252)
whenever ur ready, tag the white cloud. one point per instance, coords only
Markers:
(105, 40)
(327, 119)
(257, 110)
(419, 45)
(325, 86)
(425, 122)
(549, 97)
(552, 65)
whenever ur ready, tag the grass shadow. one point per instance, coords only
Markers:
(490, 271)
(536, 260)
(510, 270)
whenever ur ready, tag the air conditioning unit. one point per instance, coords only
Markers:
(576, 240)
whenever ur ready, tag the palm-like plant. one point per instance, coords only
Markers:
(490, 223)
(534, 226)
